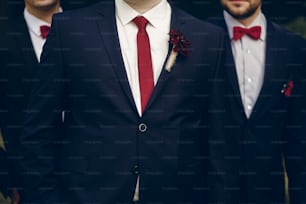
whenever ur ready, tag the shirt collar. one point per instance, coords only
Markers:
(155, 16)
(34, 23)
(260, 20)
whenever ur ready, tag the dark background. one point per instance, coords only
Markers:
(286, 12)
(279, 10)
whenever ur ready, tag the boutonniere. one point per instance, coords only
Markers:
(180, 45)
(287, 88)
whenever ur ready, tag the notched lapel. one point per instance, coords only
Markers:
(272, 72)
(230, 66)
(23, 40)
(272, 63)
(107, 28)
(177, 22)
(108, 32)
(231, 71)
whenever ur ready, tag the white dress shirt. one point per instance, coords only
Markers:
(34, 24)
(158, 30)
(249, 58)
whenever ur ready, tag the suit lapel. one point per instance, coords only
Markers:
(230, 68)
(176, 23)
(108, 30)
(23, 40)
(107, 27)
(272, 63)
(232, 74)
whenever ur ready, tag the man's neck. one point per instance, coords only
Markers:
(142, 6)
(45, 15)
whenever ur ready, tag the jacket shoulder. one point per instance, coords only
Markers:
(93, 11)
(196, 22)
(291, 37)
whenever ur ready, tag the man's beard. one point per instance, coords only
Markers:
(244, 15)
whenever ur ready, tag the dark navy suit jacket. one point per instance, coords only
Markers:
(250, 155)
(18, 64)
(3, 159)
(102, 146)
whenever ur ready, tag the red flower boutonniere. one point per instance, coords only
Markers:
(180, 45)
(287, 89)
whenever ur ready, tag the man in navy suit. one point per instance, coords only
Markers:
(134, 106)
(21, 44)
(258, 124)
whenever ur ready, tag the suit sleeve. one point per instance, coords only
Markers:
(3, 172)
(295, 143)
(3, 111)
(43, 125)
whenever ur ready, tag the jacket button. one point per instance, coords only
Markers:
(142, 127)
(136, 170)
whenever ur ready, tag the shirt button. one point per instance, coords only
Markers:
(249, 80)
(248, 51)
(142, 127)
(249, 107)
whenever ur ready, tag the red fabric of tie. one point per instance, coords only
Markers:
(253, 32)
(145, 71)
(44, 30)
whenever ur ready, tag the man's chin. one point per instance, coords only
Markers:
(240, 13)
(45, 7)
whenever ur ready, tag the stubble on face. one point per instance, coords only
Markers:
(242, 9)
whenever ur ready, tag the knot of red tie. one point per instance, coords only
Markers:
(141, 22)
(253, 32)
(44, 30)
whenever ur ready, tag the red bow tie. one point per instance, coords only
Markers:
(44, 30)
(253, 32)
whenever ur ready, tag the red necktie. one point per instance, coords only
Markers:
(145, 71)
(44, 30)
(253, 32)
